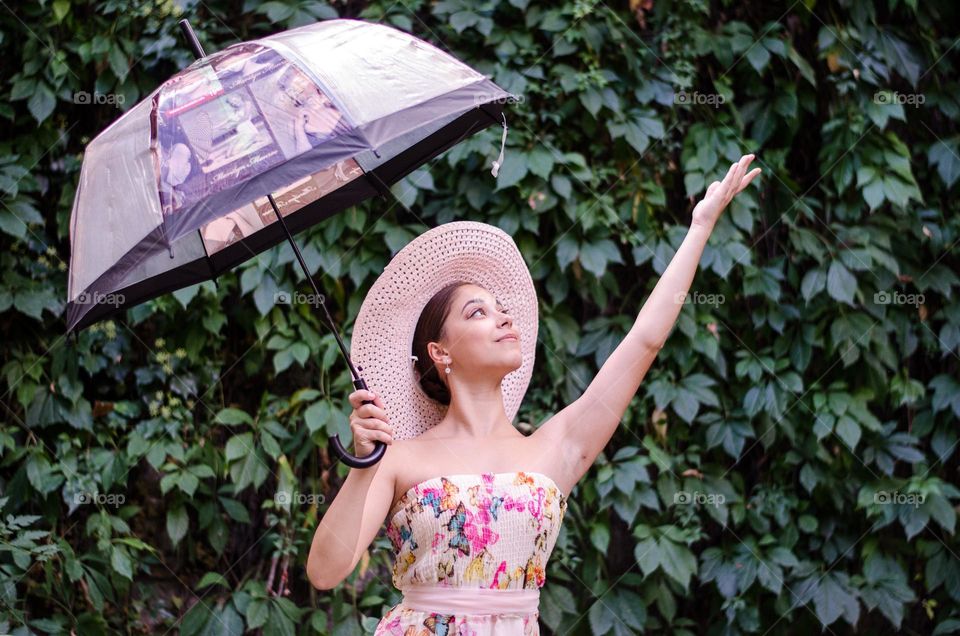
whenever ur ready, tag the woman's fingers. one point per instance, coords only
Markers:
(728, 179)
(746, 180)
(358, 397)
(375, 424)
(374, 411)
(378, 429)
(368, 416)
(370, 429)
(742, 166)
(736, 175)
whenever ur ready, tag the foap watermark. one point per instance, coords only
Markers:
(897, 298)
(498, 98)
(698, 298)
(298, 298)
(99, 498)
(887, 497)
(689, 98)
(99, 298)
(83, 97)
(686, 498)
(886, 98)
(285, 498)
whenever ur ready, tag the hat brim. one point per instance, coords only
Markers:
(382, 339)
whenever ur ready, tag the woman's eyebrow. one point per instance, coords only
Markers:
(478, 300)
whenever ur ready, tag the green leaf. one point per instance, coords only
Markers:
(41, 103)
(873, 194)
(849, 431)
(60, 10)
(541, 162)
(317, 415)
(212, 578)
(280, 624)
(807, 523)
(601, 618)
(514, 169)
(276, 11)
(188, 483)
(239, 446)
(758, 56)
(235, 509)
(232, 416)
(177, 523)
(10, 224)
(595, 256)
(120, 562)
(463, 19)
(600, 536)
(270, 444)
(806, 71)
(647, 554)
(841, 284)
(561, 185)
(591, 100)
(118, 62)
(946, 155)
(831, 600)
(257, 613)
(567, 251)
(677, 561)
(814, 282)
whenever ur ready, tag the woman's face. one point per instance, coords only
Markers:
(474, 336)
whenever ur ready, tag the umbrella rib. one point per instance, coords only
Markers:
(377, 182)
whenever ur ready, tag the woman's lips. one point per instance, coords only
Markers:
(507, 339)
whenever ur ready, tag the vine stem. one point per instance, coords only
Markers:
(273, 571)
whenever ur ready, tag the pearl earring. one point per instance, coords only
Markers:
(448, 368)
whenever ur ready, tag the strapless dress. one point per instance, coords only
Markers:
(470, 554)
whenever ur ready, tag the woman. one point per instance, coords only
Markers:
(473, 507)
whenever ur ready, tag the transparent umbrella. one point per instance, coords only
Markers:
(252, 144)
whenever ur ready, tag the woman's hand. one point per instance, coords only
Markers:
(368, 422)
(720, 193)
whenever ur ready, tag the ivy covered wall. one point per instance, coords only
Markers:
(789, 463)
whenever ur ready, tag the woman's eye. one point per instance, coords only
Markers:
(506, 311)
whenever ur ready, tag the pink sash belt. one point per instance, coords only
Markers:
(448, 599)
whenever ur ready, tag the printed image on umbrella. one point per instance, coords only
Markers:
(293, 127)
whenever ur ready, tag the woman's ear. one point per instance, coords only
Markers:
(437, 352)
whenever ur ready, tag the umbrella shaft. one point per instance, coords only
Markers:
(306, 272)
(192, 39)
(199, 53)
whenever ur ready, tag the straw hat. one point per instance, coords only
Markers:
(382, 338)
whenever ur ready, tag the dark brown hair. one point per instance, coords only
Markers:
(430, 329)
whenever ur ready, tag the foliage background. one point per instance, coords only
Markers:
(789, 389)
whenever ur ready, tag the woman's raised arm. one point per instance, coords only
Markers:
(583, 428)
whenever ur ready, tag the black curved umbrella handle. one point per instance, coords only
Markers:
(352, 460)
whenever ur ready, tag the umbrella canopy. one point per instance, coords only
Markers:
(322, 117)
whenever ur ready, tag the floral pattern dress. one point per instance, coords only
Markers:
(479, 530)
